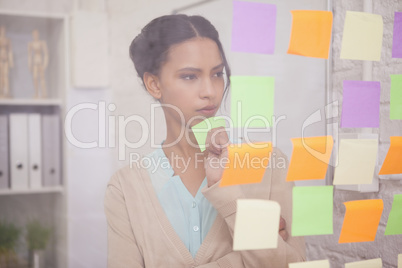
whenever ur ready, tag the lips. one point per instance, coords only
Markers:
(209, 107)
(208, 110)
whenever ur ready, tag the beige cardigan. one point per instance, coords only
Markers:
(140, 234)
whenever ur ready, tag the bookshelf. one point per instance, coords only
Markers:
(41, 196)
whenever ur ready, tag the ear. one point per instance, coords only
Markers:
(152, 85)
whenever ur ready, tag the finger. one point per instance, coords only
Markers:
(284, 234)
(282, 224)
(217, 139)
(208, 143)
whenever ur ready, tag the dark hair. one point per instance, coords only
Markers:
(149, 49)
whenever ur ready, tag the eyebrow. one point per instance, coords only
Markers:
(199, 70)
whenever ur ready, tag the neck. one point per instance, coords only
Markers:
(180, 139)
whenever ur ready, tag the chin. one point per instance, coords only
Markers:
(197, 120)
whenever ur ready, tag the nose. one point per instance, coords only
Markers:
(208, 90)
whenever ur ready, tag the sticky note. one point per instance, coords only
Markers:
(310, 158)
(311, 33)
(362, 36)
(356, 161)
(361, 104)
(253, 27)
(394, 224)
(395, 108)
(201, 129)
(246, 163)
(256, 224)
(310, 264)
(252, 101)
(397, 36)
(361, 220)
(393, 159)
(374, 263)
(312, 210)
(399, 260)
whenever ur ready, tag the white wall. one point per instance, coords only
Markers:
(88, 172)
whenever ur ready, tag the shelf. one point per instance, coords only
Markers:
(49, 203)
(32, 102)
(47, 15)
(19, 28)
(55, 189)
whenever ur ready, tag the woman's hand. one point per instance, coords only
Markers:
(282, 229)
(216, 154)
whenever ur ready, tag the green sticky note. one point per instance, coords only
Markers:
(252, 101)
(312, 210)
(394, 226)
(396, 97)
(201, 129)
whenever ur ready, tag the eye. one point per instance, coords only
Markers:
(188, 76)
(219, 74)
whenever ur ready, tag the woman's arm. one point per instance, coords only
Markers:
(273, 187)
(231, 260)
(292, 250)
(122, 246)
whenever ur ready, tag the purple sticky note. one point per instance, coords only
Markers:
(397, 39)
(361, 104)
(253, 27)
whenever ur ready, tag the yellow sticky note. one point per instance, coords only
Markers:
(310, 264)
(362, 36)
(310, 158)
(361, 220)
(356, 161)
(256, 224)
(246, 163)
(392, 163)
(400, 261)
(311, 33)
(374, 263)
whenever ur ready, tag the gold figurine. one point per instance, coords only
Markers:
(6, 62)
(38, 61)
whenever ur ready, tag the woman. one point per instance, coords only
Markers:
(173, 213)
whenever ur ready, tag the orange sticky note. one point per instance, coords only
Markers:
(310, 158)
(246, 163)
(392, 163)
(311, 33)
(361, 220)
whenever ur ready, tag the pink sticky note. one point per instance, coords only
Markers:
(397, 37)
(253, 27)
(361, 104)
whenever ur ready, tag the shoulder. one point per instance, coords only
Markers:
(131, 174)
(126, 187)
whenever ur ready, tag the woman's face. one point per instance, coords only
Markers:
(192, 80)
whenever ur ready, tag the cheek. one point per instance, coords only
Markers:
(180, 96)
(220, 87)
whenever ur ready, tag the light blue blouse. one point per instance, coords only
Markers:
(191, 217)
